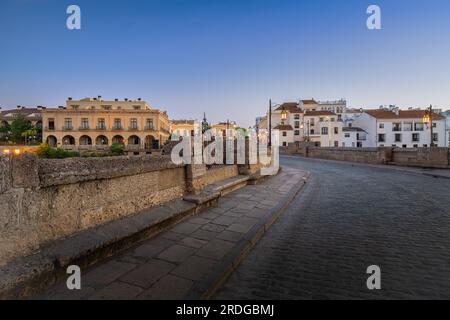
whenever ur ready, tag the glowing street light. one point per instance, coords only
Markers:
(16, 152)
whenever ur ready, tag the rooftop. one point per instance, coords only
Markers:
(284, 127)
(401, 114)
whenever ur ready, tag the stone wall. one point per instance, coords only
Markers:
(43, 200)
(420, 157)
(361, 155)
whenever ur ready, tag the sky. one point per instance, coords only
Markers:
(225, 57)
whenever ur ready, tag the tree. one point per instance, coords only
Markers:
(5, 129)
(18, 127)
(30, 134)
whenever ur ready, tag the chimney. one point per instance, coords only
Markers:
(126, 99)
(60, 107)
(139, 99)
(116, 99)
(39, 107)
(70, 98)
(18, 107)
(397, 111)
(99, 97)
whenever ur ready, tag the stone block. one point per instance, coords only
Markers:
(5, 173)
(25, 171)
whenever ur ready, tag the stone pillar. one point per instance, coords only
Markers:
(194, 174)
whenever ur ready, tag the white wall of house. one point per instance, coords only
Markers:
(408, 133)
(354, 139)
(325, 130)
(286, 137)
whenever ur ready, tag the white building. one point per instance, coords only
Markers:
(447, 115)
(338, 107)
(323, 128)
(307, 124)
(400, 128)
(354, 137)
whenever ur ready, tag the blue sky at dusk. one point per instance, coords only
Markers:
(225, 57)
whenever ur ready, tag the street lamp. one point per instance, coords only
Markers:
(283, 115)
(428, 119)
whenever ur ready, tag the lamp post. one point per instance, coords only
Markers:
(270, 122)
(428, 119)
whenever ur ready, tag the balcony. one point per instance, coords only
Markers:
(133, 129)
(83, 128)
(149, 129)
(117, 128)
(66, 128)
(100, 128)
(49, 129)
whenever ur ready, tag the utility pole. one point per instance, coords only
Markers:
(270, 122)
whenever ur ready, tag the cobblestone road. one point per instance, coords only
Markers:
(348, 218)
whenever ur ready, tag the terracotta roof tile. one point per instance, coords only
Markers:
(284, 127)
(402, 114)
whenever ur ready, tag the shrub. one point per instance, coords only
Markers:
(117, 149)
(45, 151)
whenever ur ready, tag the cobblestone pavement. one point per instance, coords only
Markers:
(347, 218)
(169, 265)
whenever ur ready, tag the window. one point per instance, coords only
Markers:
(101, 123)
(284, 144)
(336, 130)
(312, 122)
(84, 123)
(297, 117)
(347, 135)
(320, 119)
(336, 144)
(404, 146)
(137, 107)
(68, 123)
(381, 126)
(297, 132)
(284, 134)
(398, 137)
(415, 146)
(435, 137)
(339, 117)
(381, 138)
(117, 124)
(332, 119)
(325, 130)
(133, 123)
(312, 131)
(415, 137)
(359, 144)
(418, 126)
(51, 124)
(407, 126)
(434, 124)
(396, 127)
(149, 124)
(104, 107)
(297, 124)
(425, 145)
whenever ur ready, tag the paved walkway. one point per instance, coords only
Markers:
(347, 218)
(170, 265)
